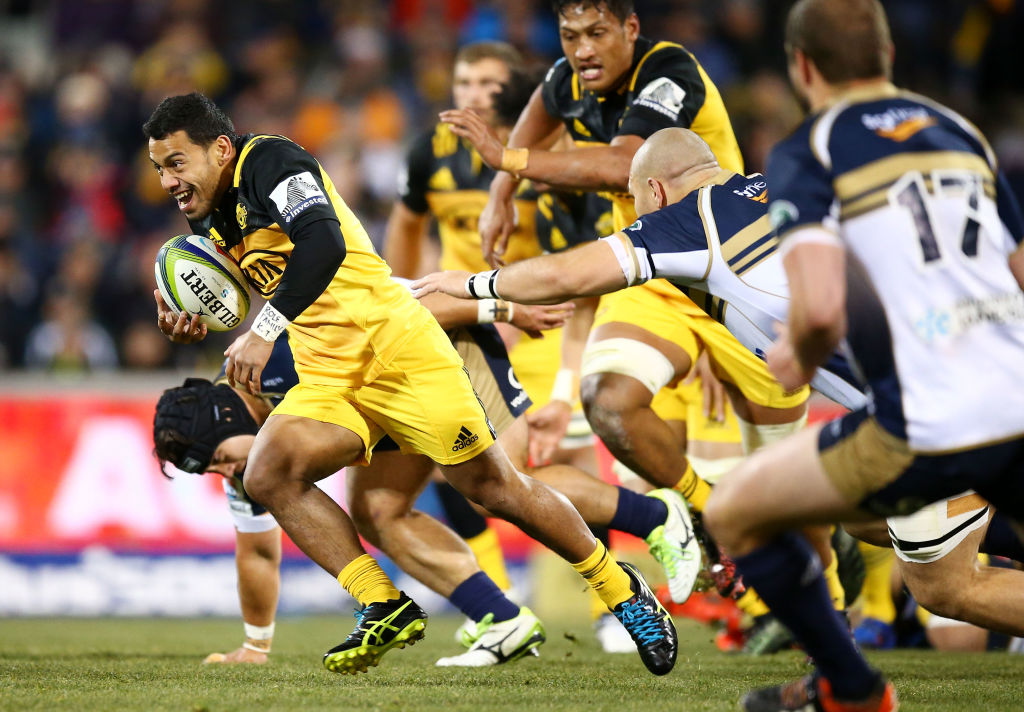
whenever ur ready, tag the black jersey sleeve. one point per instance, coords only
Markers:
(412, 181)
(283, 179)
(556, 88)
(668, 90)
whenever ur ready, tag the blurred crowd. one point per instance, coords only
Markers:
(81, 210)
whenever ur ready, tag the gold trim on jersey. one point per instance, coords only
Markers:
(630, 250)
(648, 53)
(757, 237)
(244, 153)
(707, 232)
(866, 188)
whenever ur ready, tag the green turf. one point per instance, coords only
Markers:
(154, 665)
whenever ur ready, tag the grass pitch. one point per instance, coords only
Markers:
(155, 665)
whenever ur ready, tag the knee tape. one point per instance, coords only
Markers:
(629, 358)
(756, 437)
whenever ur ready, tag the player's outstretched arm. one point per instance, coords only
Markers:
(451, 312)
(588, 270)
(535, 128)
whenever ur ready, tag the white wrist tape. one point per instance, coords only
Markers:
(255, 648)
(492, 310)
(269, 323)
(259, 632)
(564, 388)
(481, 285)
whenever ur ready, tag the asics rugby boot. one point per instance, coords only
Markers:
(379, 628)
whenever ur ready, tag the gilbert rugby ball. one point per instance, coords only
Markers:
(196, 276)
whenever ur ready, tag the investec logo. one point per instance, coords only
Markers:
(465, 439)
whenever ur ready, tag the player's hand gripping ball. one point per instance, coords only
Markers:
(196, 276)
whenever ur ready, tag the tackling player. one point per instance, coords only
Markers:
(371, 362)
(900, 237)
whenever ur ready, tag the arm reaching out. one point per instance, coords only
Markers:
(585, 271)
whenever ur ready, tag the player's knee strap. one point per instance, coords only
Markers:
(712, 470)
(629, 357)
(756, 437)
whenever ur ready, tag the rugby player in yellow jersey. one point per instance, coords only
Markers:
(613, 89)
(371, 361)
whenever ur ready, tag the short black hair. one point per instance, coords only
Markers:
(622, 9)
(195, 114)
(515, 95)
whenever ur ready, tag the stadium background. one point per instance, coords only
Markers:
(87, 524)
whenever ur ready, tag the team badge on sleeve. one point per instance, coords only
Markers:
(296, 193)
(664, 96)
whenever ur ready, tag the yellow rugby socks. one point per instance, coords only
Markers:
(876, 595)
(693, 488)
(605, 576)
(366, 581)
(835, 587)
(487, 550)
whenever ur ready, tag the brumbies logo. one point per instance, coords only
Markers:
(780, 212)
(295, 194)
(240, 215)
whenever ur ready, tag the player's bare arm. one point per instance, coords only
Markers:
(403, 241)
(531, 318)
(588, 270)
(536, 128)
(817, 310)
(592, 168)
(1016, 261)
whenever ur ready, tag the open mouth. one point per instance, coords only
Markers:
(184, 198)
(591, 73)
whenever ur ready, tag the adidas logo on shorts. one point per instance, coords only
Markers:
(465, 439)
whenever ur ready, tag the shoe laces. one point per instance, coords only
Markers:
(641, 622)
(665, 552)
(484, 625)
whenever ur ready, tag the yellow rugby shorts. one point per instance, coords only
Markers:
(422, 398)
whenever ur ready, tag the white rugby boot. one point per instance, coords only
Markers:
(498, 643)
(674, 545)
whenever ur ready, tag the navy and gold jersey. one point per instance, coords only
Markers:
(353, 329)
(935, 317)
(717, 246)
(446, 177)
(665, 86)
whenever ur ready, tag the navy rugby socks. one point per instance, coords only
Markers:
(478, 595)
(638, 514)
(787, 574)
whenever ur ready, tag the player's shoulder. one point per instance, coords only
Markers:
(268, 153)
(882, 122)
(560, 88)
(662, 60)
(738, 201)
(676, 219)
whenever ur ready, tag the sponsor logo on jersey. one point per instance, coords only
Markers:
(898, 124)
(781, 212)
(662, 95)
(296, 193)
(519, 399)
(940, 323)
(637, 226)
(240, 215)
(758, 190)
(465, 439)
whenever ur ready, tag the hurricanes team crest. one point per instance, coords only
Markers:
(241, 214)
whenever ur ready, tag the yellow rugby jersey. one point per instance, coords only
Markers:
(666, 86)
(361, 319)
(446, 177)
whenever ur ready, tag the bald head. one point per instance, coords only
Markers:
(669, 164)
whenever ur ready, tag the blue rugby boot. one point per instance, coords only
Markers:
(648, 624)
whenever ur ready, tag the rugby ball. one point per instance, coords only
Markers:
(196, 276)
